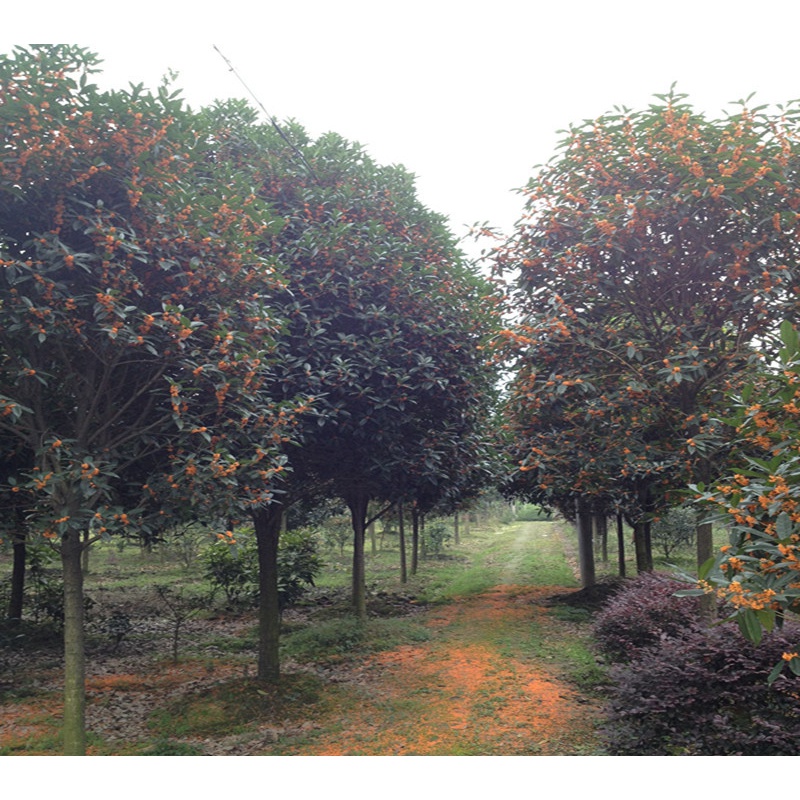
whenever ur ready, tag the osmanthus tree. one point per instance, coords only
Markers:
(385, 319)
(655, 251)
(134, 320)
(757, 574)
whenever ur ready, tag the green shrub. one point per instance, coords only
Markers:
(298, 565)
(527, 512)
(234, 569)
(44, 586)
(675, 530)
(436, 535)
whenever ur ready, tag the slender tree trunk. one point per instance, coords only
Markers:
(85, 554)
(601, 535)
(641, 534)
(357, 502)
(620, 545)
(74, 647)
(456, 540)
(643, 563)
(372, 538)
(267, 523)
(705, 550)
(414, 539)
(401, 534)
(585, 549)
(17, 598)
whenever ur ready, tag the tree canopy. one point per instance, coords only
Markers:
(385, 322)
(134, 318)
(656, 252)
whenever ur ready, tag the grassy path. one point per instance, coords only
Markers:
(490, 667)
(491, 680)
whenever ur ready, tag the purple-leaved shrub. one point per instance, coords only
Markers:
(643, 613)
(705, 692)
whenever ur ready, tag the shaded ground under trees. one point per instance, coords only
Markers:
(496, 673)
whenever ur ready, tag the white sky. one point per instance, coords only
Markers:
(468, 96)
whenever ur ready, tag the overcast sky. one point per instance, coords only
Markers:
(468, 96)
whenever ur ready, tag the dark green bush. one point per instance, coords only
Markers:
(706, 693)
(234, 569)
(674, 530)
(527, 512)
(436, 536)
(44, 587)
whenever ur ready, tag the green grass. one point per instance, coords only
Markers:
(230, 707)
(348, 636)
(488, 555)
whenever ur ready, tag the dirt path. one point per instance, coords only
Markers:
(483, 683)
(464, 692)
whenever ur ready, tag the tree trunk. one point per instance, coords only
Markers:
(401, 532)
(414, 539)
(372, 538)
(643, 559)
(641, 534)
(74, 647)
(585, 549)
(17, 598)
(456, 540)
(357, 503)
(267, 525)
(85, 554)
(601, 535)
(620, 545)
(705, 551)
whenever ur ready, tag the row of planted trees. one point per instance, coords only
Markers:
(203, 316)
(648, 279)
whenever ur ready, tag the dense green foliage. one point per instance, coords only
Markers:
(233, 569)
(656, 252)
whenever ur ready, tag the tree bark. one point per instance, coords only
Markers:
(401, 535)
(705, 551)
(85, 554)
(414, 539)
(267, 524)
(620, 545)
(601, 535)
(456, 540)
(357, 502)
(74, 727)
(372, 538)
(641, 534)
(585, 550)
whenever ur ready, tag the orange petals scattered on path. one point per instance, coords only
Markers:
(476, 700)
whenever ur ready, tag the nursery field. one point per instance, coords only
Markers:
(480, 653)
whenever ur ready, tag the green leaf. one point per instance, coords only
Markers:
(706, 567)
(749, 625)
(766, 618)
(776, 671)
(783, 525)
(789, 336)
